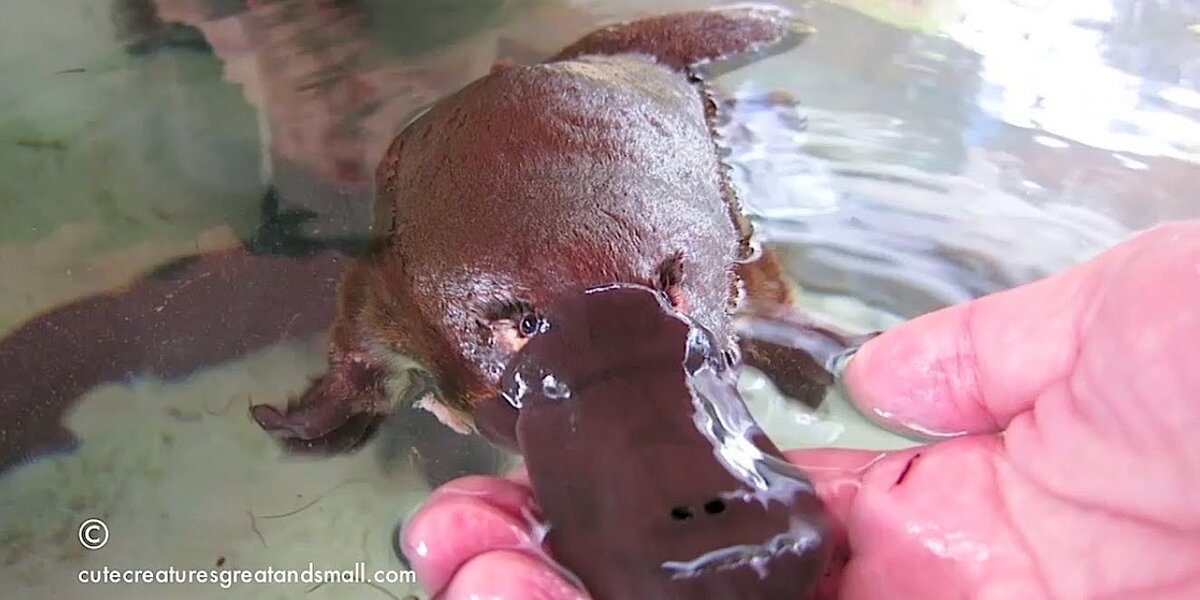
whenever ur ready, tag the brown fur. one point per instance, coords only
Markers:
(599, 166)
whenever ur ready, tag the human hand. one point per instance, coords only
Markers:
(1072, 468)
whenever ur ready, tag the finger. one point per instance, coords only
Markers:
(511, 495)
(509, 575)
(937, 524)
(836, 474)
(972, 367)
(452, 528)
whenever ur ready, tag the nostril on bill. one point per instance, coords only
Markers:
(681, 513)
(715, 506)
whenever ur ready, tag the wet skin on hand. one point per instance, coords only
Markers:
(653, 477)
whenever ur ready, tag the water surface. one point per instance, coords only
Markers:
(936, 151)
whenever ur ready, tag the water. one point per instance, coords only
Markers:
(941, 150)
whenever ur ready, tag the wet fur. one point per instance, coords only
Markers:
(598, 166)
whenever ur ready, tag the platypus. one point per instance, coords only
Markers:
(651, 475)
(600, 165)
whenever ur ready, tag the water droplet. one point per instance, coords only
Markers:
(555, 389)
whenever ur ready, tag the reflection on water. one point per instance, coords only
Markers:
(900, 168)
(911, 181)
(1116, 77)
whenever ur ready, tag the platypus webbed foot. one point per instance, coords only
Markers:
(337, 413)
(797, 354)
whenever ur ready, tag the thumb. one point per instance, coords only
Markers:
(837, 474)
(972, 367)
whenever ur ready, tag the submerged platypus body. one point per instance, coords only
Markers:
(649, 471)
(598, 166)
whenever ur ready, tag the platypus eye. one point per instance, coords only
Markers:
(520, 315)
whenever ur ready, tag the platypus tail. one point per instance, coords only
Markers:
(723, 38)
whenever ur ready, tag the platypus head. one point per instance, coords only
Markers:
(542, 181)
(654, 478)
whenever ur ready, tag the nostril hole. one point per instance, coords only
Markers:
(714, 507)
(681, 513)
